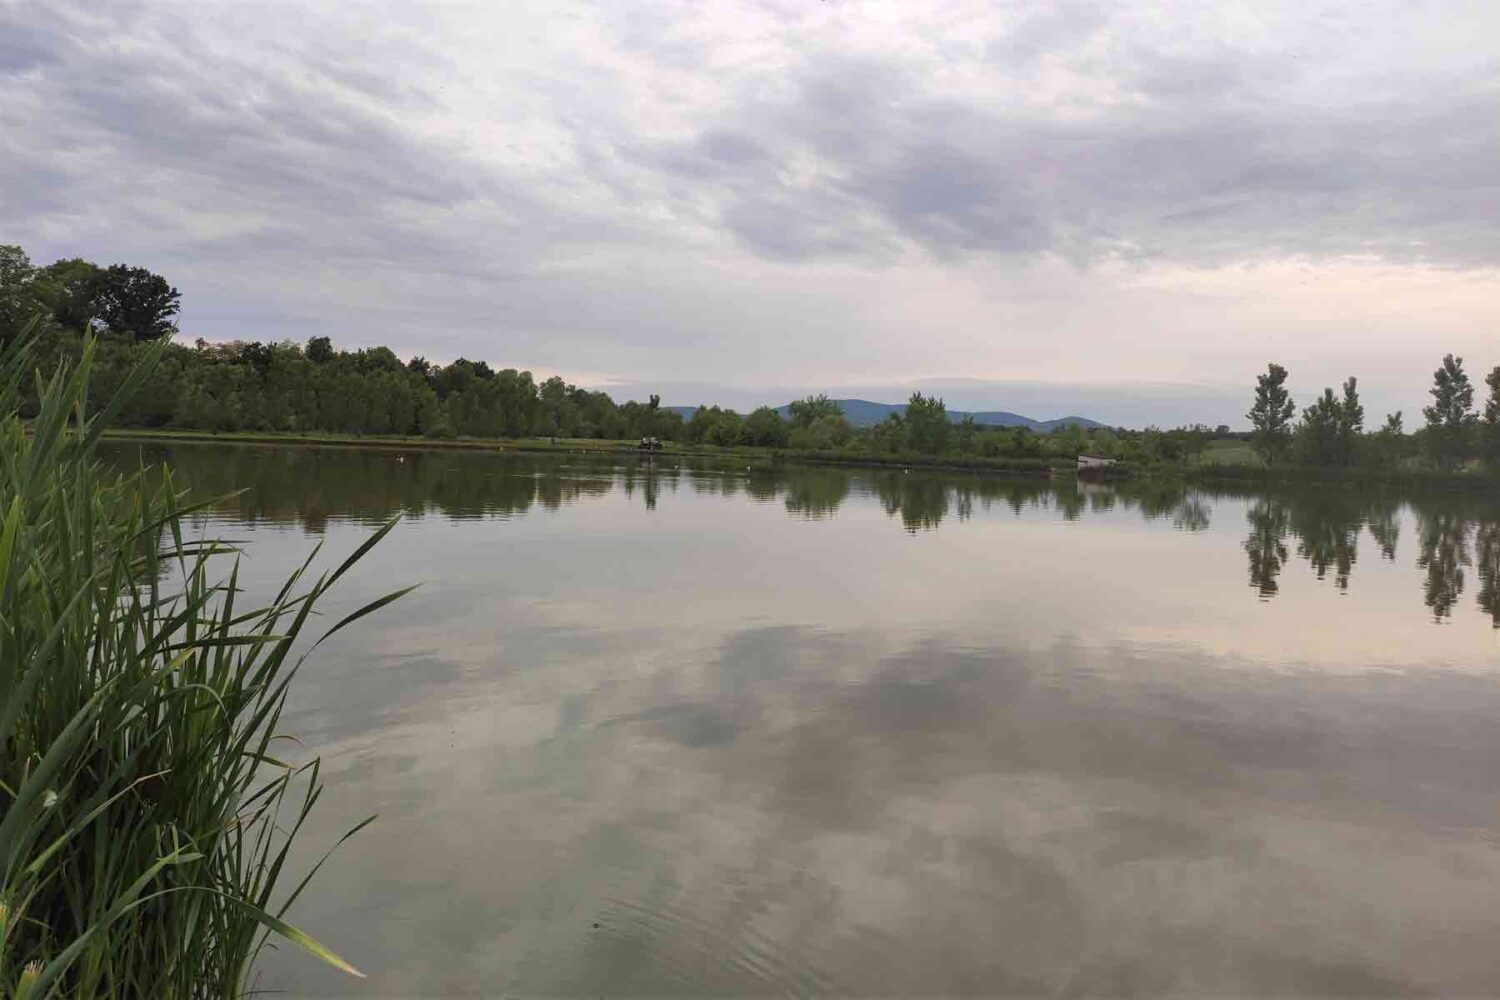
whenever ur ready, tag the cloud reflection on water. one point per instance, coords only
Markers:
(1029, 741)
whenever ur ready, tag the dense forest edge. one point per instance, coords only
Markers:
(316, 393)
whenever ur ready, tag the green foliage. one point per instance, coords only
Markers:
(808, 411)
(1490, 420)
(890, 435)
(146, 818)
(716, 426)
(133, 302)
(318, 389)
(823, 434)
(1389, 446)
(126, 301)
(765, 428)
(713, 425)
(69, 288)
(1351, 427)
(1271, 414)
(927, 426)
(1070, 441)
(1451, 415)
(20, 304)
(1332, 428)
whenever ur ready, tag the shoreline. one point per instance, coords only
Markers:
(1206, 474)
(1038, 468)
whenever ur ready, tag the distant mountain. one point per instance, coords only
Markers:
(863, 413)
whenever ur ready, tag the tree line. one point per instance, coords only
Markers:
(1331, 431)
(314, 387)
(285, 386)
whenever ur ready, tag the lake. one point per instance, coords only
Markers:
(675, 728)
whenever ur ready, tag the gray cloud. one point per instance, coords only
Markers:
(1200, 164)
(756, 196)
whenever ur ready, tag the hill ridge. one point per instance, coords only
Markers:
(867, 413)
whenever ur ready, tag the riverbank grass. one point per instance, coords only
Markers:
(149, 807)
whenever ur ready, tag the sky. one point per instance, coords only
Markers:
(1122, 210)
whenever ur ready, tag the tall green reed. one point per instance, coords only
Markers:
(146, 819)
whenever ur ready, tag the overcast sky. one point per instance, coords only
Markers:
(1120, 209)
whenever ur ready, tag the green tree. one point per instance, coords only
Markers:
(1271, 414)
(809, 410)
(927, 424)
(1451, 415)
(1351, 427)
(1330, 430)
(890, 435)
(1389, 445)
(70, 288)
(319, 350)
(726, 431)
(1070, 440)
(19, 304)
(131, 301)
(1491, 418)
(824, 434)
(764, 427)
(556, 414)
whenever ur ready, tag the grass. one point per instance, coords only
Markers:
(147, 815)
(1229, 453)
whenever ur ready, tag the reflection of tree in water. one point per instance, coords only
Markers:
(963, 503)
(704, 481)
(815, 493)
(1384, 521)
(763, 484)
(1158, 500)
(1188, 509)
(1487, 545)
(1327, 523)
(308, 486)
(1070, 503)
(642, 475)
(1443, 537)
(1101, 499)
(1266, 544)
(922, 501)
(1192, 514)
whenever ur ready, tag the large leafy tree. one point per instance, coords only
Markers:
(809, 410)
(765, 427)
(18, 299)
(1271, 414)
(132, 301)
(70, 288)
(1451, 415)
(319, 350)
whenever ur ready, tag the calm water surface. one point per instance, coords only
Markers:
(672, 730)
